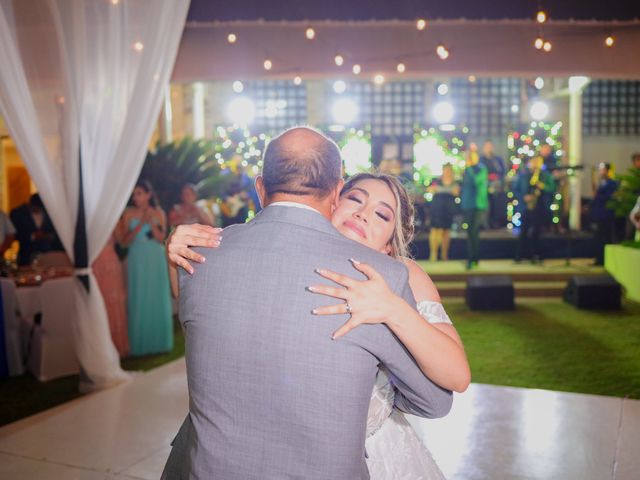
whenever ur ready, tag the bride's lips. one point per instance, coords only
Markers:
(356, 228)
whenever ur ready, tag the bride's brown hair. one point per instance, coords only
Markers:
(404, 227)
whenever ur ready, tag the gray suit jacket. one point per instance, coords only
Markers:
(271, 395)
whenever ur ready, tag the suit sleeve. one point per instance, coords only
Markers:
(415, 393)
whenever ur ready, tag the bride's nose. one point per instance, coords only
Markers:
(359, 214)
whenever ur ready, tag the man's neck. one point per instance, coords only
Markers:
(321, 205)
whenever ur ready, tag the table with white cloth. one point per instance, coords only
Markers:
(22, 299)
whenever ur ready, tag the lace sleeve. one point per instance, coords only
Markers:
(381, 404)
(433, 312)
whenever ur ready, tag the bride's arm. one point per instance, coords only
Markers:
(436, 347)
(179, 252)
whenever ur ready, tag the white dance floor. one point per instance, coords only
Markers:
(492, 433)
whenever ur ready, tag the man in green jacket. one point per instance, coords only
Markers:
(475, 201)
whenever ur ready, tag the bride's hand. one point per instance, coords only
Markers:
(368, 301)
(184, 237)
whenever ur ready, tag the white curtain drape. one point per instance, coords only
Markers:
(84, 79)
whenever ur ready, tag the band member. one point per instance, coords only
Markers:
(475, 200)
(534, 189)
(496, 170)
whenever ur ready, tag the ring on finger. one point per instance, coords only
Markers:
(348, 308)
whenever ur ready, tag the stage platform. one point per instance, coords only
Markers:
(545, 280)
(502, 244)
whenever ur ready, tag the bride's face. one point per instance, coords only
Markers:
(367, 214)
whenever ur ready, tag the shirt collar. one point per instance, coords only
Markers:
(293, 204)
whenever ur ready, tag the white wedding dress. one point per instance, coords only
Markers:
(394, 450)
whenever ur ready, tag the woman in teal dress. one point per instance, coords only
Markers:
(143, 228)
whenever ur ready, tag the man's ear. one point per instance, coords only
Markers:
(336, 195)
(260, 190)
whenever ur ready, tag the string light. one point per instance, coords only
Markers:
(547, 46)
(339, 59)
(339, 86)
(231, 38)
(401, 67)
(539, 83)
(138, 46)
(356, 69)
(378, 79)
(538, 43)
(472, 78)
(442, 52)
(541, 17)
(421, 24)
(310, 33)
(609, 41)
(297, 80)
(238, 87)
(267, 64)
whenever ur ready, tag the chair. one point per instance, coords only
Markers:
(12, 328)
(53, 259)
(52, 353)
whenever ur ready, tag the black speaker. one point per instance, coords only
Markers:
(597, 292)
(493, 292)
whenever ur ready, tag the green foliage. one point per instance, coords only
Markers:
(625, 197)
(168, 167)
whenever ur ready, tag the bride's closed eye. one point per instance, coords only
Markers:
(354, 197)
(383, 216)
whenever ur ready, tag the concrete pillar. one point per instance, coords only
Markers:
(166, 118)
(575, 156)
(198, 110)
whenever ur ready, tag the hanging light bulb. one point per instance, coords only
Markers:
(421, 24)
(310, 33)
(538, 43)
(472, 78)
(541, 17)
(339, 59)
(268, 64)
(231, 38)
(356, 69)
(297, 80)
(378, 79)
(609, 41)
(401, 68)
(138, 46)
(442, 52)
(547, 46)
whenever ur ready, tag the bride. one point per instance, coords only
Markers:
(375, 210)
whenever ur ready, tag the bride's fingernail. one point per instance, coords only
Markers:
(202, 259)
(354, 261)
(320, 271)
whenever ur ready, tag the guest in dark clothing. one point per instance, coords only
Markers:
(475, 201)
(34, 230)
(443, 208)
(534, 189)
(601, 214)
(496, 170)
(549, 158)
(235, 206)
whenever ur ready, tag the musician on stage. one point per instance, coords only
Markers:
(533, 189)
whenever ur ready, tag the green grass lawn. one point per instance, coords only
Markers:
(542, 344)
(553, 345)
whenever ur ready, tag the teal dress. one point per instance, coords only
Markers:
(149, 295)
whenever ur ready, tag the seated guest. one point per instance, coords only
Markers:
(34, 230)
(7, 233)
(187, 212)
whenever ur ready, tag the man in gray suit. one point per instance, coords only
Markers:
(272, 396)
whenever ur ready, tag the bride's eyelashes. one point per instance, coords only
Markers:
(383, 216)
